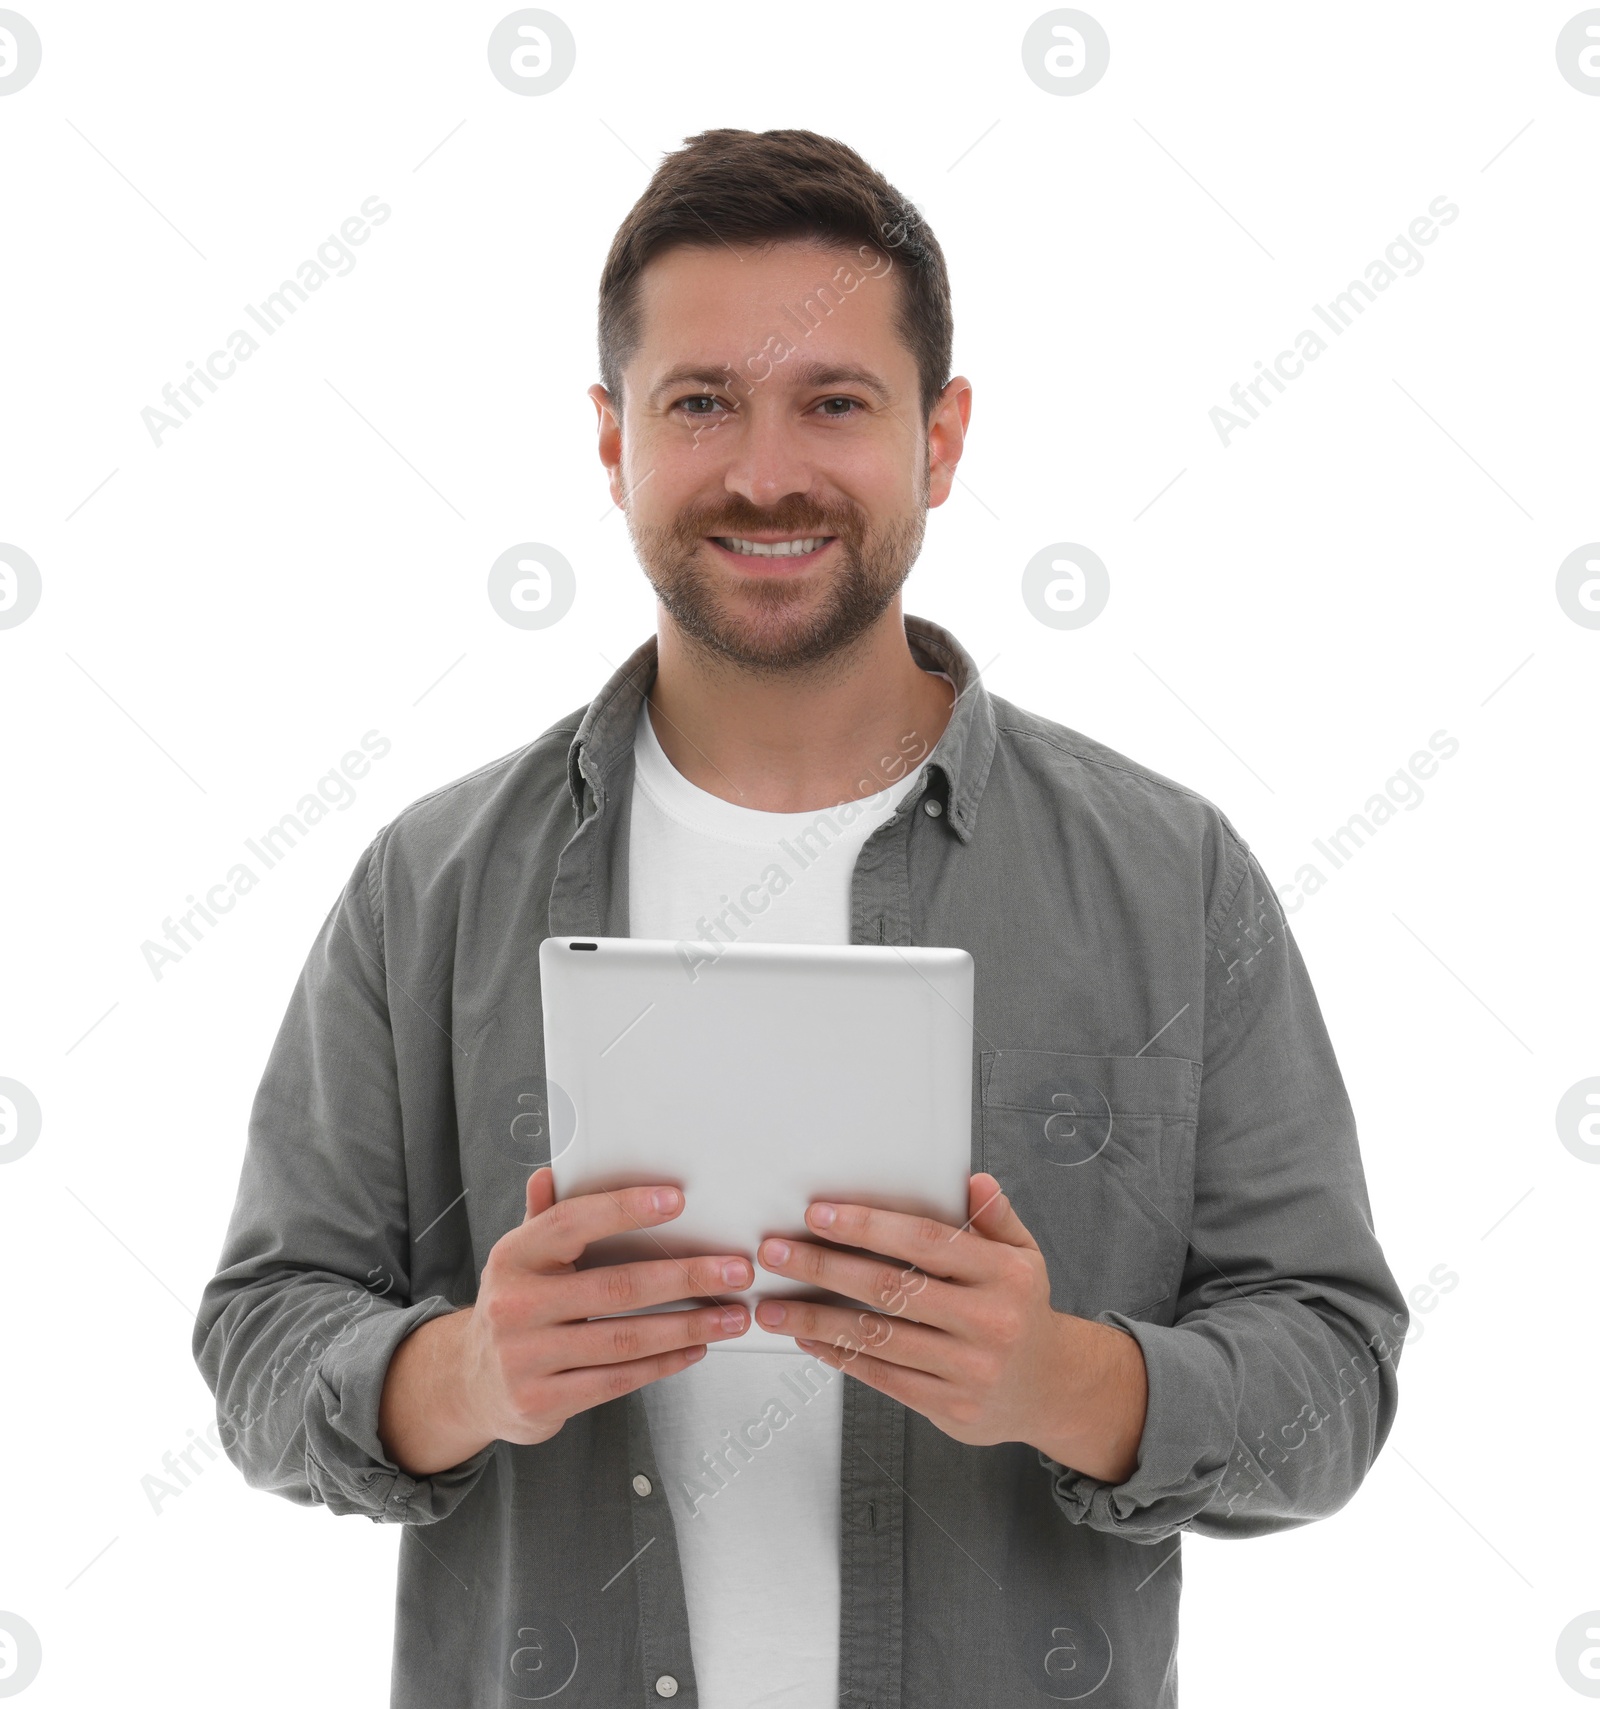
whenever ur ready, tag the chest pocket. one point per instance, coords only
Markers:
(1097, 1156)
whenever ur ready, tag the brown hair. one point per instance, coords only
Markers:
(762, 187)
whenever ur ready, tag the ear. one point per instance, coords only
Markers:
(610, 446)
(947, 433)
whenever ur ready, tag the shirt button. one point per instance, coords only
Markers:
(932, 808)
(666, 1686)
(642, 1485)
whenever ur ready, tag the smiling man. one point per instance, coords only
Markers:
(1167, 1311)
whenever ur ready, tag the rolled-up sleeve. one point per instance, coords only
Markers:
(311, 1297)
(1274, 1388)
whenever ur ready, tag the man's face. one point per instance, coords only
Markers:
(772, 455)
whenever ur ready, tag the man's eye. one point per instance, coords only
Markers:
(850, 405)
(696, 398)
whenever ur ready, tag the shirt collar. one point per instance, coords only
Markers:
(961, 757)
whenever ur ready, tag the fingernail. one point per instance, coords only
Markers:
(770, 1313)
(736, 1272)
(694, 1353)
(777, 1252)
(823, 1215)
(732, 1320)
(666, 1198)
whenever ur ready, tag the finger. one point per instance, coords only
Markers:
(992, 1214)
(913, 1345)
(561, 1231)
(609, 1288)
(915, 1389)
(541, 1192)
(619, 1340)
(572, 1392)
(897, 1290)
(956, 1253)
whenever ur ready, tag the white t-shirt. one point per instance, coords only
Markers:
(748, 1443)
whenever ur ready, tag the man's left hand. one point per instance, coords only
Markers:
(962, 1331)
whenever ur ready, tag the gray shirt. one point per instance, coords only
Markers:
(1154, 1088)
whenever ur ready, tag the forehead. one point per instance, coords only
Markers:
(725, 303)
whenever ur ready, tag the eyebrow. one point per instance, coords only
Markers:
(805, 374)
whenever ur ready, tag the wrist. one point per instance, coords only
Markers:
(458, 1373)
(428, 1420)
(1096, 1400)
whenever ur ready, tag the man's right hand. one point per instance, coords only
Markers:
(519, 1363)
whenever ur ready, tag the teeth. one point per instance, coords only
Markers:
(774, 549)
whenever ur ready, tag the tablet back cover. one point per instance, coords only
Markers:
(757, 1077)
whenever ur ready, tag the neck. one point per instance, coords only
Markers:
(795, 741)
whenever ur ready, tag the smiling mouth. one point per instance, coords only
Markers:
(803, 547)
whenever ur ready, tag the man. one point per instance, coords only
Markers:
(1168, 1310)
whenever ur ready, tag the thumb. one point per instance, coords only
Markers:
(992, 1214)
(541, 1191)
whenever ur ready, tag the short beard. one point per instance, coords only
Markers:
(875, 568)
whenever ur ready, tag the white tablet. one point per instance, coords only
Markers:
(757, 1077)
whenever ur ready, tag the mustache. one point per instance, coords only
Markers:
(792, 516)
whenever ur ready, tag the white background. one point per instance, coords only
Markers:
(306, 559)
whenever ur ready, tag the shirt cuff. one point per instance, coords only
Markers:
(1184, 1449)
(346, 1466)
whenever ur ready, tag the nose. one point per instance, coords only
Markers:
(768, 462)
